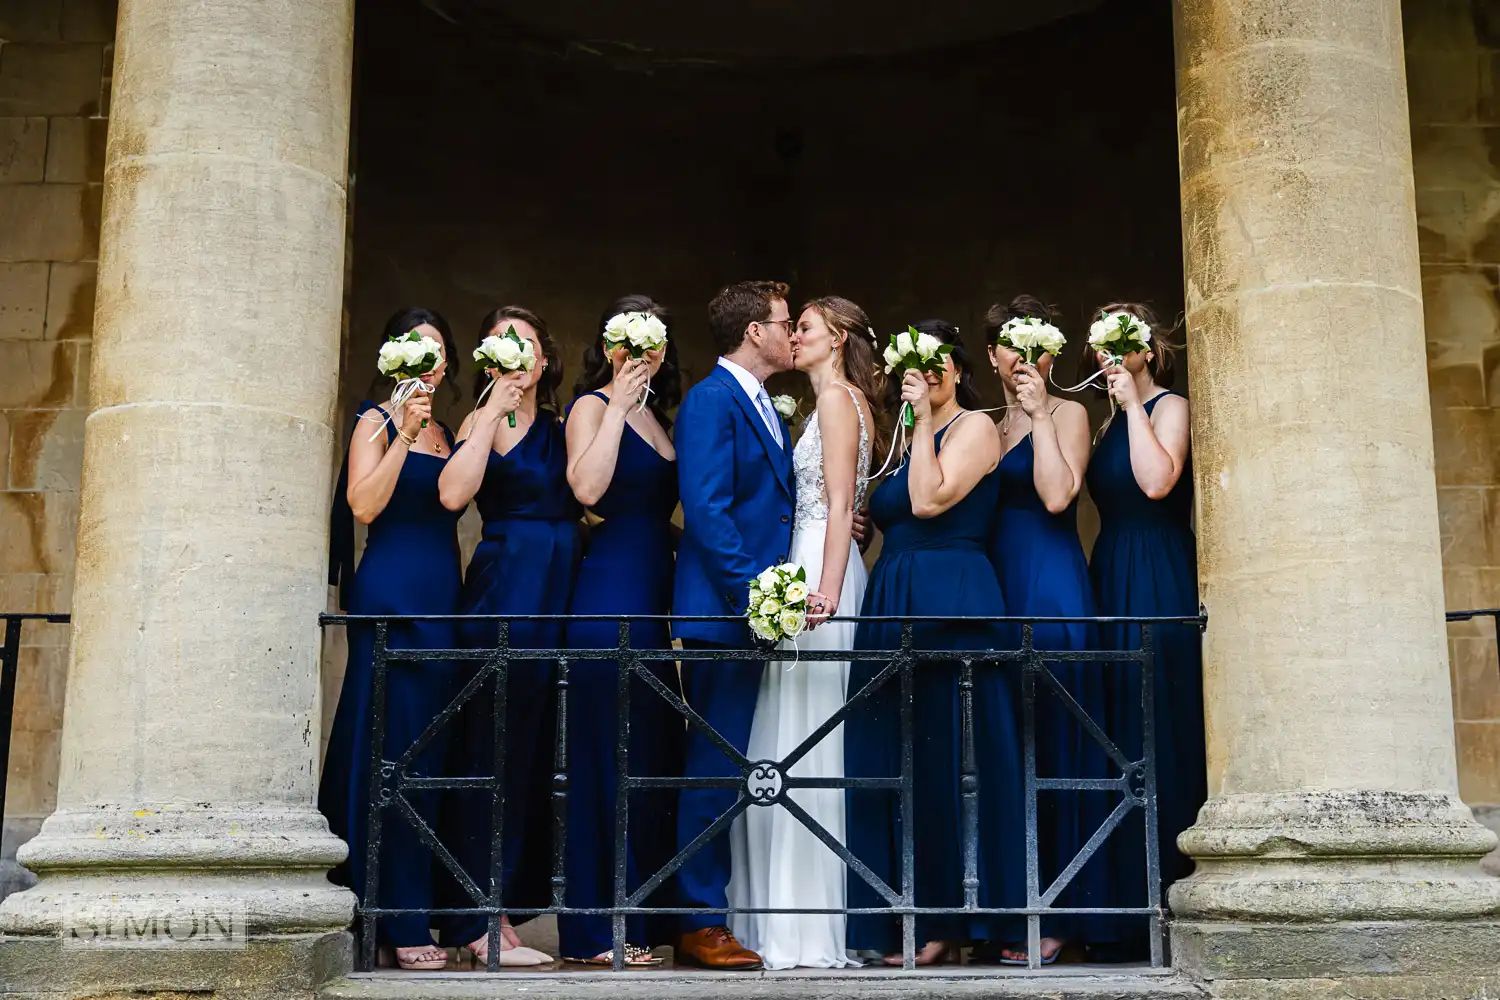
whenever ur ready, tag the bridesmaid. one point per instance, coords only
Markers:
(1035, 549)
(1145, 564)
(525, 565)
(622, 467)
(410, 567)
(935, 511)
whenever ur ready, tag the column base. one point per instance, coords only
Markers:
(272, 967)
(241, 872)
(1314, 885)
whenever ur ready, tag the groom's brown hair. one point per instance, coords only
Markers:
(731, 312)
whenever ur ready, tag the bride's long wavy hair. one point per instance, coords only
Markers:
(862, 366)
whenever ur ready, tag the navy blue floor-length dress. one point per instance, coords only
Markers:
(1145, 564)
(410, 566)
(627, 569)
(524, 565)
(1043, 574)
(934, 566)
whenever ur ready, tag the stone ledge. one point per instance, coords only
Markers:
(289, 967)
(1056, 983)
(1218, 952)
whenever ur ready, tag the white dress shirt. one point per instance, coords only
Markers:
(756, 390)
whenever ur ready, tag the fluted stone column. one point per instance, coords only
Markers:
(1334, 842)
(190, 743)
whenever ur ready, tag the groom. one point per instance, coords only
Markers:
(734, 469)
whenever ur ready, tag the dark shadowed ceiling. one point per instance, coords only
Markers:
(804, 30)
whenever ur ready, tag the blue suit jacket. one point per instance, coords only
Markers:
(737, 499)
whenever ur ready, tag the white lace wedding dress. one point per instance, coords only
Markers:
(777, 862)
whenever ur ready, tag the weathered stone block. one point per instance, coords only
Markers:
(75, 150)
(1476, 679)
(274, 967)
(31, 21)
(88, 20)
(1233, 951)
(1478, 761)
(1456, 385)
(1463, 526)
(38, 373)
(46, 450)
(23, 149)
(18, 591)
(31, 786)
(41, 672)
(49, 222)
(1466, 587)
(23, 301)
(38, 529)
(70, 304)
(1463, 451)
(1461, 311)
(51, 79)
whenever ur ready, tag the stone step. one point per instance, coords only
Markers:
(1067, 983)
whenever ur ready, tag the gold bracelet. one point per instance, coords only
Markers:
(411, 442)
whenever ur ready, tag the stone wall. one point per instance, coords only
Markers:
(55, 58)
(1453, 70)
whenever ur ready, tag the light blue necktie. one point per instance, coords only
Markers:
(769, 413)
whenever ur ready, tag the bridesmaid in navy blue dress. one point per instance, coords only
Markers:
(935, 512)
(1043, 573)
(1145, 564)
(525, 565)
(622, 467)
(410, 567)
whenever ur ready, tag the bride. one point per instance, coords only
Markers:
(777, 862)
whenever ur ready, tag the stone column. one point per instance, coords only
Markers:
(190, 743)
(1334, 842)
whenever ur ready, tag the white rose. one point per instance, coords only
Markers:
(927, 345)
(769, 608)
(764, 627)
(789, 569)
(791, 623)
(617, 329)
(415, 353)
(1098, 333)
(391, 357)
(1050, 339)
(892, 357)
(796, 592)
(768, 580)
(904, 345)
(506, 352)
(784, 405)
(1143, 333)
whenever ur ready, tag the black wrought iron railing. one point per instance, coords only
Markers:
(765, 783)
(10, 662)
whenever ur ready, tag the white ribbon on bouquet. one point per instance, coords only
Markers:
(405, 390)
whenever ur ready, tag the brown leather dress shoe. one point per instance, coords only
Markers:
(716, 948)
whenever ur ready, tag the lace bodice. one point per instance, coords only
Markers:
(807, 468)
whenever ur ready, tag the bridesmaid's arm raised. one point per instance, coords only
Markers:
(464, 472)
(374, 467)
(1060, 444)
(838, 422)
(937, 482)
(1158, 444)
(594, 431)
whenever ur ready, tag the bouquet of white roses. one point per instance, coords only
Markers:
(1120, 334)
(509, 353)
(638, 332)
(917, 352)
(406, 359)
(1031, 337)
(777, 607)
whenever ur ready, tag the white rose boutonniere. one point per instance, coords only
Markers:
(784, 405)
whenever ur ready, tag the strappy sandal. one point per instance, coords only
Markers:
(636, 957)
(430, 958)
(1019, 950)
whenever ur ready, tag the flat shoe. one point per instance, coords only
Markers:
(636, 957)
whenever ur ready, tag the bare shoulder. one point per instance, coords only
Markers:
(971, 430)
(1070, 411)
(1170, 405)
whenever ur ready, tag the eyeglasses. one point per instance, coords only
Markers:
(783, 322)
